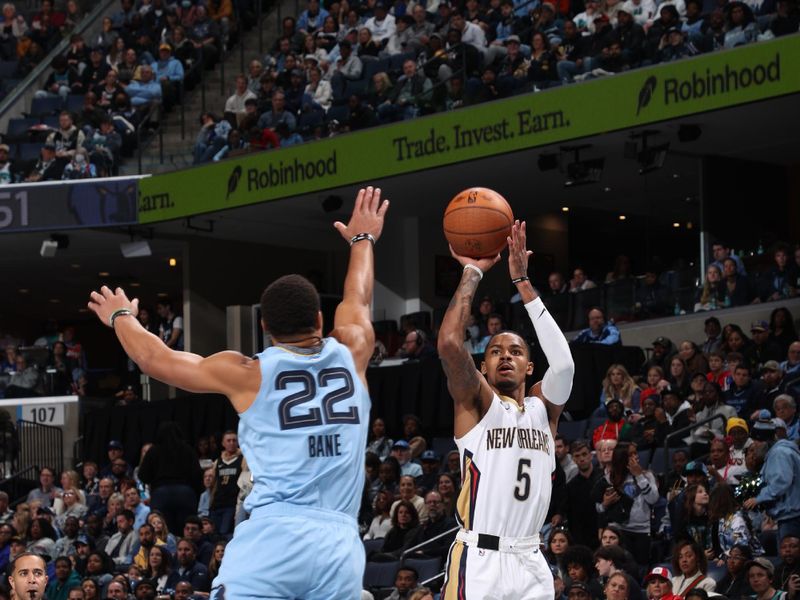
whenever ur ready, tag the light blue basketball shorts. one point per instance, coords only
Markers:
(292, 552)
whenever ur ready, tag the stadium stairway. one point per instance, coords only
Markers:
(177, 153)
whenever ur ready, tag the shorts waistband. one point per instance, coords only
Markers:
(286, 509)
(501, 544)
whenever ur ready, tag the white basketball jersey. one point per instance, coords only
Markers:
(507, 461)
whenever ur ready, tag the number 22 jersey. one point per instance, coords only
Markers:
(305, 433)
(507, 461)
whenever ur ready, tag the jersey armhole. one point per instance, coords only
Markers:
(262, 389)
(481, 425)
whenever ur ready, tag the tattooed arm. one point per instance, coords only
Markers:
(470, 391)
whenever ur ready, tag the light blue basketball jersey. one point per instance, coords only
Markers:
(305, 434)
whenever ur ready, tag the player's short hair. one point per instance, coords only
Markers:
(290, 305)
(516, 333)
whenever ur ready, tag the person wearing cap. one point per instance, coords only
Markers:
(763, 348)
(738, 431)
(96, 69)
(401, 451)
(630, 35)
(780, 495)
(761, 577)
(145, 589)
(771, 386)
(584, 21)
(431, 464)
(512, 74)
(61, 80)
(168, 71)
(785, 407)
(577, 590)
(658, 584)
(615, 426)
(381, 25)
(65, 579)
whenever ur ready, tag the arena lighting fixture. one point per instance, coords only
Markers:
(173, 262)
(103, 274)
(565, 209)
(548, 162)
(57, 241)
(135, 249)
(676, 224)
(582, 172)
(622, 217)
(689, 133)
(648, 156)
(332, 203)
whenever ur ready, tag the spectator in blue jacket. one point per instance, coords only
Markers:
(780, 496)
(598, 332)
(145, 90)
(168, 71)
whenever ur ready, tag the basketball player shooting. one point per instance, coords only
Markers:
(303, 416)
(506, 441)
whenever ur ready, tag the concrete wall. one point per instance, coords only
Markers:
(690, 327)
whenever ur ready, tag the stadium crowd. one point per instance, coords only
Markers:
(719, 515)
(338, 66)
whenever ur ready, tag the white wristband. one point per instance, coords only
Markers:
(474, 268)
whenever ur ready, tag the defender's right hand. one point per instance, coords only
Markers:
(367, 217)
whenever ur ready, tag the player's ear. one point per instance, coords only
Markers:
(483, 367)
(319, 322)
(529, 368)
(264, 326)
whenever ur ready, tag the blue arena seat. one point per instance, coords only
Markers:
(572, 430)
(380, 574)
(425, 567)
(371, 546)
(42, 107)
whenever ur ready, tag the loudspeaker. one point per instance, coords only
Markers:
(135, 249)
(48, 249)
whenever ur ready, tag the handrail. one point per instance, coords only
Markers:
(148, 116)
(426, 542)
(691, 428)
(37, 71)
(17, 476)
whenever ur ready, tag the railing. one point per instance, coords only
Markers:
(40, 446)
(618, 301)
(442, 535)
(155, 109)
(22, 87)
(690, 428)
(19, 484)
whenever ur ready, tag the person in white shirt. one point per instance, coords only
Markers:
(235, 104)
(402, 452)
(644, 12)
(382, 26)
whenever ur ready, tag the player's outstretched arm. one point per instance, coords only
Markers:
(470, 391)
(556, 385)
(228, 373)
(352, 324)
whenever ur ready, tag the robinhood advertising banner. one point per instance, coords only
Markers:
(68, 205)
(708, 82)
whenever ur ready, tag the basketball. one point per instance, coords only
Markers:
(477, 222)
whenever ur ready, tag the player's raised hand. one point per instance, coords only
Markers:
(367, 217)
(105, 302)
(518, 253)
(484, 264)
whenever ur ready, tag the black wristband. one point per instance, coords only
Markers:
(519, 280)
(361, 237)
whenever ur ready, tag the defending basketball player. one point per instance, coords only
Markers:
(303, 415)
(506, 441)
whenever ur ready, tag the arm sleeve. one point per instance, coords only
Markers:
(557, 382)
